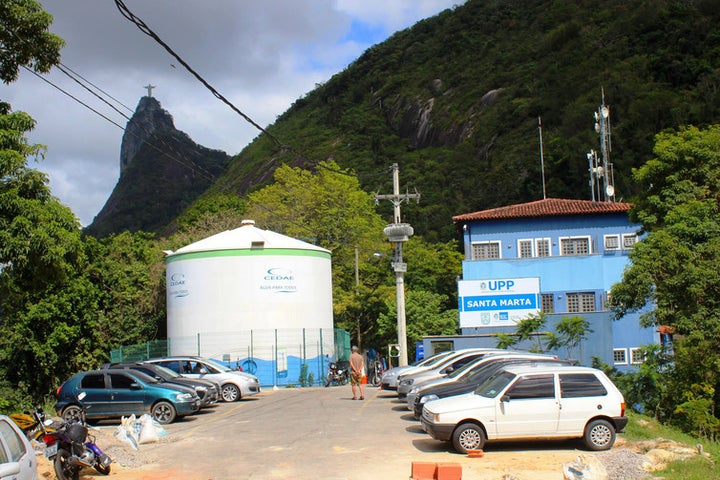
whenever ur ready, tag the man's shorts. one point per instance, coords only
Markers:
(355, 379)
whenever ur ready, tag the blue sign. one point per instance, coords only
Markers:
(522, 301)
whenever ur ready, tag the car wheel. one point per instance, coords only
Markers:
(72, 413)
(230, 392)
(468, 436)
(163, 412)
(62, 467)
(599, 435)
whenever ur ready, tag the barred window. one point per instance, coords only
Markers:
(636, 355)
(485, 250)
(547, 303)
(525, 249)
(542, 246)
(612, 242)
(581, 302)
(629, 240)
(575, 246)
(620, 356)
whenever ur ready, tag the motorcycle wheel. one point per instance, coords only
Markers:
(105, 470)
(63, 470)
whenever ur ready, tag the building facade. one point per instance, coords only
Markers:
(556, 256)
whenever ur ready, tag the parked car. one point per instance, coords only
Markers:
(17, 457)
(389, 378)
(455, 360)
(207, 390)
(464, 373)
(458, 385)
(111, 393)
(531, 402)
(234, 384)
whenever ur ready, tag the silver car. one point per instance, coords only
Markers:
(17, 457)
(389, 378)
(234, 384)
(446, 365)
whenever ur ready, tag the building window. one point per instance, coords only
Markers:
(547, 303)
(636, 356)
(581, 302)
(629, 240)
(485, 250)
(620, 356)
(525, 249)
(612, 242)
(542, 247)
(575, 246)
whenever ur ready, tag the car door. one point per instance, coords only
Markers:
(126, 397)
(582, 395)
(95, 396)
(15, 449)
(528, 407)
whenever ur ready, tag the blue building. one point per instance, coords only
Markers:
(556, 256)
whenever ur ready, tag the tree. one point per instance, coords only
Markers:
(674, 269)
(25, 39)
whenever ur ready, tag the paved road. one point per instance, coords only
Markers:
(321, 433)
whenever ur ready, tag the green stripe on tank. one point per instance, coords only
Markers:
(248, 252)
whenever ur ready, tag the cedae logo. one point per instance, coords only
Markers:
(279, 275)
(177, 279)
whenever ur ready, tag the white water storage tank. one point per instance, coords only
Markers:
(247, 279)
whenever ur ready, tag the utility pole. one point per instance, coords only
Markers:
(397, 234)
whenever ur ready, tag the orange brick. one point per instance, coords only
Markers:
(449, 471)
(423, 471)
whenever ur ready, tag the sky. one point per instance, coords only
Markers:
(260, 55)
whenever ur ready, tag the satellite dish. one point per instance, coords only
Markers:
(610, 190)
(605, 112)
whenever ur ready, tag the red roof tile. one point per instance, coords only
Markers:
(549, 207)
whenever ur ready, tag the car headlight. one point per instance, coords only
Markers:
(184, 397)
(407, 383)
(427, 398)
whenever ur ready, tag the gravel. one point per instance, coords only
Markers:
(624, 464)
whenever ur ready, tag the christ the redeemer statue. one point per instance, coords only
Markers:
(149, 89)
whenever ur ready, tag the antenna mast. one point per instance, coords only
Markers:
(601, 170)
(542, 161)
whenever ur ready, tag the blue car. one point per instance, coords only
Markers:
(113, 393)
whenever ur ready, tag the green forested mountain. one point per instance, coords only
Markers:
(455, 101)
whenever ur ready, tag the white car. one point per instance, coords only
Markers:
(234, 384)
(17, 457)
(531, 402)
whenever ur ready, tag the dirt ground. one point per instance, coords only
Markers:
(311, 434)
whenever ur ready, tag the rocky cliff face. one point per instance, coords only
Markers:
(149, 118)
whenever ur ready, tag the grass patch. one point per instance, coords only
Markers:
(641, 427)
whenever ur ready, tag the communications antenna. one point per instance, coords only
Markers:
(601, 169)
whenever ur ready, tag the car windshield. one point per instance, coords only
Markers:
(495, 384)
(430, 361)
(218, 366)
(166, 371)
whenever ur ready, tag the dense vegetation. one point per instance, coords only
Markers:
(455, 101)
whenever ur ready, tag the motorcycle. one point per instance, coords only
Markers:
(33, 424)
(336, 375)
(71, 448)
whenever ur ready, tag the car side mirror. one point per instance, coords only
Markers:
(203, 371)
(505, 398)
(135, 386)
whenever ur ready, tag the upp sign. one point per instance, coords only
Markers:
(497, 285)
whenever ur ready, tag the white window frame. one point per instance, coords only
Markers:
(625, 356)
(633, 352)
(629, 240)
(578, 237)
(522, 241)
(609, 239)
(538, 241)
(490, 242)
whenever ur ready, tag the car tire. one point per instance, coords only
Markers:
(61, 465)
(468, 436)
(72, 413)
(230, 393)
(599, 435)
(163, 412)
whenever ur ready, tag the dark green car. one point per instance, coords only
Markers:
(114, 393)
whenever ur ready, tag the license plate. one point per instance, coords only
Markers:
(51, 450)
